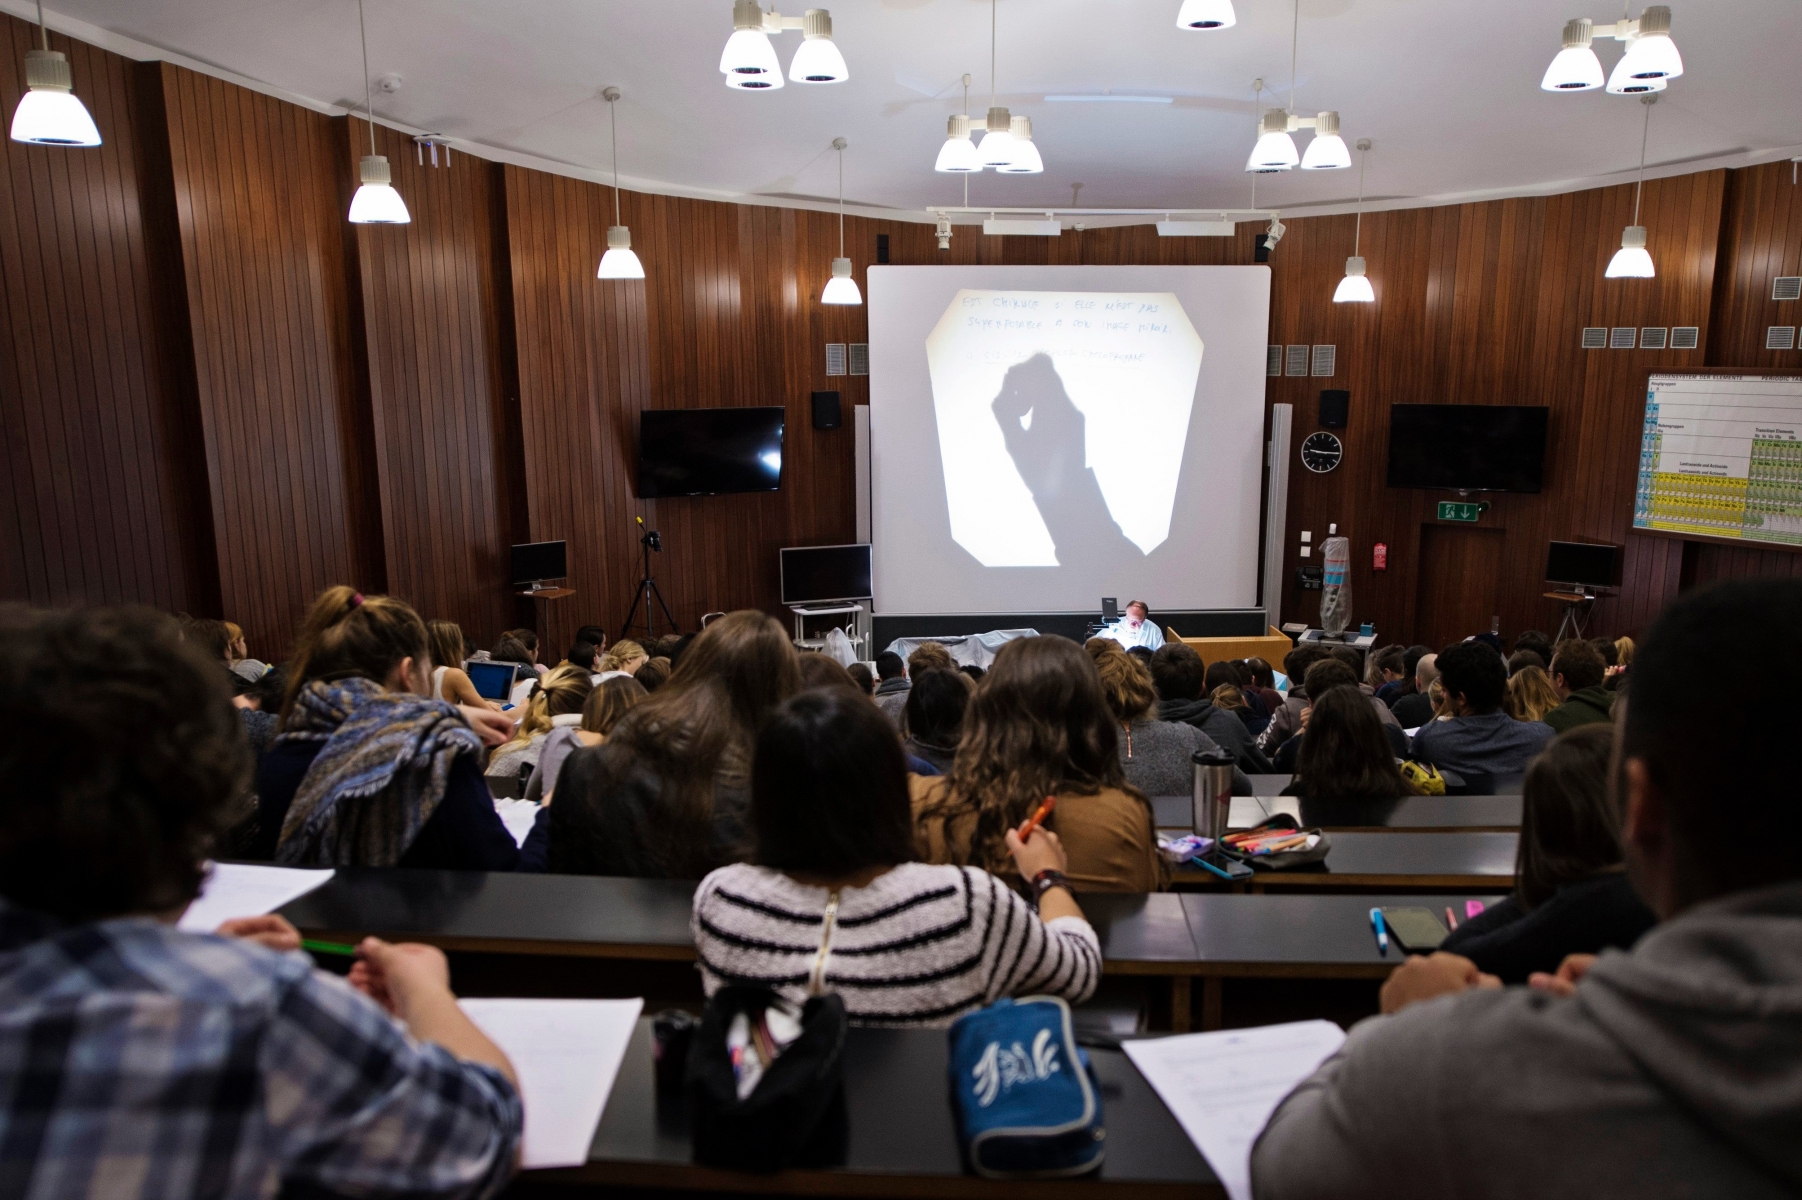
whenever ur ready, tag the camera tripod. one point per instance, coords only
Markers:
(647, 590)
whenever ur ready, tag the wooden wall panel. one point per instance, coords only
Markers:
(438, 398)
(261, 190)
(99, 505)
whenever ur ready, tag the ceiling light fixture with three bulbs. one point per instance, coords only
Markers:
(1651, 60)
(749, 61)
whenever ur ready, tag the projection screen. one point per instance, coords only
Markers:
(1044, 436)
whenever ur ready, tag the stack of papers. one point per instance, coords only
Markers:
(566, 1054)
(1222, 1087)
(234, 890)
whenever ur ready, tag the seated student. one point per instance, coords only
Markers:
(1667, 1071)
(1577, 671)
(1156, 755)
(1285, 722)
(368, 771)
(1480, 739)
(259, 705)
(1178, 676)
(1331, 672)
(1383, 669)
(592, 634)
(528, 639)
(1416, 708)
(817, 670)
(624, 657)
(450, 682)
(860, 675)
(666, 796)
(601, 711)
(972, 672)
(1039, 726)
(510, 649)
(237, 654)
(140, 1061)
(933, 716)
(911, 944)
(1343, 753)
(1571, 893)
(654, 673)
(929, 656)
(1263, 679)
(891, 692)
(555, 704)
(1522, 659)
(1533, 642)
(582, 654)
(1234, 675)
(1530, 695)
(212, 638)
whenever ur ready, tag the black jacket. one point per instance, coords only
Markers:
(1586, 917)
(1222, 726)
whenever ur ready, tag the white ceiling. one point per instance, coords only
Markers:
(1447, 89)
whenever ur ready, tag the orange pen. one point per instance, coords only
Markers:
(1032, 822)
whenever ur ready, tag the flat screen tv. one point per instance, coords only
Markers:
(1583, 564)
(537, 561)
(709, 451)
(821, 574)
(1467, 447)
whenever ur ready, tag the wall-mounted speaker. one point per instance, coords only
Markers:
(882, 247)
(1335, 408)
(826, 411)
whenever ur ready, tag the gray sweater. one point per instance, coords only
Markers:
(1675, 1070)
(1156, 757)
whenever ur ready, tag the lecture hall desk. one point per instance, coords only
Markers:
(902, 1139)
(577, 935)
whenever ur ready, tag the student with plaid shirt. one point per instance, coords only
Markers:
(137, 1061)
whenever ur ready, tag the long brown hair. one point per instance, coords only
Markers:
(1569, 829)
(1039, 725)
(1530, 695)
(349, 634)
(1126, 683)
(1344, 754)
(699, 729)
(447, 644)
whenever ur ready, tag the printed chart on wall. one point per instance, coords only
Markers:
(1721, 457)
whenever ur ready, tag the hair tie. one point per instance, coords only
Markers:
(356, 598)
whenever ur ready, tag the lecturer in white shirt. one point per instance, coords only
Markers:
(1134, 629)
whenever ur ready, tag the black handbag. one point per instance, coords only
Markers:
(795, 1116)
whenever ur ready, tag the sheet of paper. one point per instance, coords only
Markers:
(566, 1054)
(1222, 1087)
(517, 816)
(247, 890)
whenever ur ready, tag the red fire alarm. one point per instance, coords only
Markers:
(1379, 557)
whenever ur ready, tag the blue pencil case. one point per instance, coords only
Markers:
(1026, 1101)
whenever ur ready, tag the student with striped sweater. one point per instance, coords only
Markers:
(907, 943)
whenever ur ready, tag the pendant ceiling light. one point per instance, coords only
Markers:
(49, 114)
(619, 262)
(958, 155)
(376, 201)
(1355, 287)
(1633, 260)
(749, 60)
(1275, 148)
(1650, 61)
(1206, 14)
(841, 288)
(1007, 144)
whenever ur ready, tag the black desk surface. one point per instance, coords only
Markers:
(607, 917)
(1451, 859)
(1505, 785)
(1237, 934)
(1404, 813)
(903, 1140)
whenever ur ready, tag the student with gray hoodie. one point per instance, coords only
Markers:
(1673, 1069)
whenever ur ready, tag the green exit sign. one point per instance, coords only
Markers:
(1455, 510)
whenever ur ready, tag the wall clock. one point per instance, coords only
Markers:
(1321, 452)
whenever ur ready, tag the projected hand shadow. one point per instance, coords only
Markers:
(1046, 436)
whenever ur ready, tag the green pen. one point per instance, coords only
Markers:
(328, 948)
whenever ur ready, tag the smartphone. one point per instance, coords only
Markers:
(1416, 930)
(1220, 864)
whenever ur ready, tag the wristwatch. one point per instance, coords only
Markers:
(1047, 879)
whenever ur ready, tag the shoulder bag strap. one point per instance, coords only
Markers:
(816, 983)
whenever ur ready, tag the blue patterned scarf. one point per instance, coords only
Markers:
(383, 763)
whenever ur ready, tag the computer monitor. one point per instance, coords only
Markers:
(823, 574)
(1583, 564)
(492, 680)
(1110, 609)
(534, 562)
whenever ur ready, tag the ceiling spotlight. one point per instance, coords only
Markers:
(944, 233)
(1633, 260)
(818, 60)
(1651, 58)
(841, 288)
(619, 262)
(749, 60)
(376, 201)
(1576, 69)
(1327, 151)
(1206, 14)
(1275, 150)
(1025, 160)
